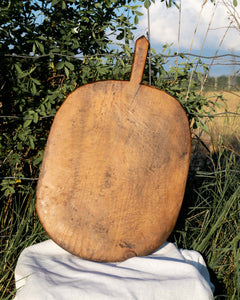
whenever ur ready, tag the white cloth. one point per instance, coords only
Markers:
(46, 271)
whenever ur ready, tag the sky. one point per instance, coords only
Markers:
(164, 29)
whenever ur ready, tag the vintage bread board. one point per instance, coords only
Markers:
(115, 166)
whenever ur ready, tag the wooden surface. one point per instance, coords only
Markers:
(114, 170)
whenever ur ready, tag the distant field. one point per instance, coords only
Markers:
(224, 128)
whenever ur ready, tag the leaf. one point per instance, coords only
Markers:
(49, 107)
(138, 13)
(40, 46)
(35, 117)
(63, 5)
(27, 123)
(8, 191)
(136, 20)
(33, 89)
(24, 74)
(177, 6)
(37, 161)
(147, 4)
(43, 38)
(20, 73)
(235, 3)
(54, 2)
(31, 142)
(42, 109)
(59, 65)
(18, 69)
(37, 82)
(69, 65)
(34, 68)
(97, 5)
(34, 49)
(66, 72)
(39, 158)
(19, 146)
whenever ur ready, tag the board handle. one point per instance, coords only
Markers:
(139, 60)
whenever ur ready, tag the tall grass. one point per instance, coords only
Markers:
(20, 228)
(210, 220)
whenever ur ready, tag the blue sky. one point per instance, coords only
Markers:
(164, 29)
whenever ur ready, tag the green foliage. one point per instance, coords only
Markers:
(182, 81)
(44, 47)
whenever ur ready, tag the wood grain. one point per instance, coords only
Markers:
(115, 167)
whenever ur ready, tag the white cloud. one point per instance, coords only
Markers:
(164, 25)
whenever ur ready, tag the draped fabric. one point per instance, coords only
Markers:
(46, 271)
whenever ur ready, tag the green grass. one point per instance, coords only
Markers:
(209, 223)
(210, 220)
(20, 228)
